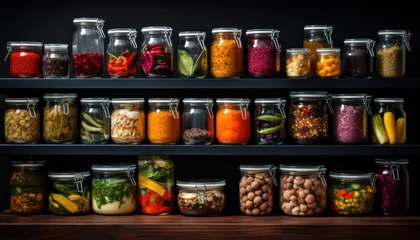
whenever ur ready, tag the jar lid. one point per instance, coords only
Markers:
(388, 100)
(391, 161)
(93, 100)
(226, 30)
(298, 50)
(163, 100)
(121, 31)
(301, 167)
(308, 94)
(351, 175)
(257, 167)
(198, 100)
(392, 32)
(113, 167)
(268, 100)
(156, 29)
(192, 34)
(207, 182)
(349, 96)
(233, 100)
(358, 41)
(87, 20)
(267, 32)
(21, 100)
(328, 50)
(67, 174)
(28, 163)
(24, 45)
(56, 47)
(317, 27)
(127, 100)
(59, 95)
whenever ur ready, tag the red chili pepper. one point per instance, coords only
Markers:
(90, 64)
(349, 195)
(341, 193)
(125, 54)
(158, 47)
(157, 51)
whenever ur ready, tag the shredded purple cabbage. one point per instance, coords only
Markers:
(350, 123)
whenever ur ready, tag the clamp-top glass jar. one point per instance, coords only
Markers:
(298, 62)
(122, 52)
(233, 121)
(317, 36)
(263, 52)
(328, 64)
(156, 56)
(359, 58)
(94, 120)
(55, 62)
(128, 121)
(88, 47)
(226, 53)
(163, 121)
(270, 120)
(22, 120)
(25, 59)
(198, 121)
(192, 54)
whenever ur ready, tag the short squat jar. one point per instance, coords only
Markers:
(25, 59)
(298, 62)
(270, 121)
(163, 121)
(22, 120)
(128, 121)
(226, 53)
(95, 120)
(328, 64)
(122, 53)
(233, 121)
(192, 54)
(55, 62)
(198, 121)
(358, 58)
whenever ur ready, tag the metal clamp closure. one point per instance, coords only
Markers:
(174, 109)
(130, 175)
(406, 39)
(209, 107)
(200, 191)
(328, 100)
(237, 36)
(100, 26)
(65, 102)
(168, 37)
(370, 45)
(200, 39)
(9, 50)
(132, 35)
(30, 104)
(281, 105)
(78, 180)
(272, 173)
(395, 171)
(105, 107)
(373, 181)
(328, 32)
(366, 103)
(275, 39)
(244, 108)
(321, 174)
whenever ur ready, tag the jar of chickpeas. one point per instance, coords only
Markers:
(328, 63)
(298, 62)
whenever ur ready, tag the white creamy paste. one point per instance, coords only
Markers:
(129, 206)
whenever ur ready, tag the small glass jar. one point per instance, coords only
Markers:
(94, 120)
(163, 121)
(25, 59)
(198, 121)
(201, 197)
(263, 52)
(226, 53)
(156, 181)
(317, 36)
(391, 54)
(393, 186)
(303, 190)
(88, 48)
(114, 188)
(192, 54)
(28, 185)
(128, 121)
(60, 118)
(122, 53)
(352, 193)
(328, 63)
(233, 121)
(156, 56)
(69, 193)
(55, 62)
(270, 120)
(256, 189)
(298, 62)
(389, 121)
(359, 58)
(308, 117)
(22, 120)
(350, 118)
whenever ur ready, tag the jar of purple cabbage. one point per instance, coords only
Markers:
(393, 186)
(350, 118)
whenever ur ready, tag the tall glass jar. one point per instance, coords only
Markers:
(317, 36)
(156, 184)
(192, 54)
(60, 118)
(122, 52)
(198, 121)
(389, 121)
(390, 52)
(22, 120)
(55, 62)
(256, 189)
(28, 185)
(94, 120)
(128, 121)
(156, 56)
(270, 120)
(303, 189)
(226, 53)
(163, 121)
(88, 47)
(233, 121)
(393, 186)
(298, 62)
(263, 52)
(328, 64)
(359, 58)
(25, 59)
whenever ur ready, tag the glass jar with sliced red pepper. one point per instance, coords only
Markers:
(156, 56)
(122, 52)
(25, 59)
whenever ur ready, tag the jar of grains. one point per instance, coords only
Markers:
(22, 120)
(163, 121)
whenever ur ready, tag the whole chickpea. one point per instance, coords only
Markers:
(255, 185)
(243, 191)
(251, 196)
(249, 188)
(310, 198)
(249, 204)
(288, 186)
(256, 211)
(290, 179)
(258, 200)
(307, 184)
(265, 188)
(258, 192)
(263, 207)
(265, 196)
(303, 208)
(249, 180)
(295, 211)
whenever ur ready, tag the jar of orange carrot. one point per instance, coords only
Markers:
(163, 121)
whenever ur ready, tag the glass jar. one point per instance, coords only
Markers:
(352, 193)
(156, 184)
(55, 62)
(25, 59)
(94, 120)
(317, 36)
(21, 120)
(350, 118)
(358, 58)
(114, 188)
(192, 54)
(163, 121)
(389, 121)
(263, 52)
(390, 52)
(88, 47)
(198, 121)
(328, 63)
(393, 186)
(233, 121)
(298, 62)
(122, 52)
(303, 189)
(69, 193)
(28, 187)
(201, 197)
(156, 56)
(226, 53)
(308, 117)
(60, 118)
(256, 189)
(128, 121)
(270, 120)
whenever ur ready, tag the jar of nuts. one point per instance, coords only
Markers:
(256, 189)
(21, 120)
(298, 62)
(303, 190)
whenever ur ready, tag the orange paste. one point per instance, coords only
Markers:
(226, 57)
(231, 128)
(162, 127)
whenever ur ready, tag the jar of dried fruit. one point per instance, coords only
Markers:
(192, 54)
(55, 62)
(226, 53)
(122, 52)
(25, 59)
(328, 64)
(22, 120)
(233, 121)
(94, 120)
(298, 62)
(163, 121)
(128, 121)
(198, 121)
(270, 120)
(317, 36)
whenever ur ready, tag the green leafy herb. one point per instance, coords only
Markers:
(159, 170)
(112, 190)
(185, 63)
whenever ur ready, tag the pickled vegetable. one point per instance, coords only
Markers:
(60, 127)
(328, 65)
(93, 129)
(65, 201)
(352, 198)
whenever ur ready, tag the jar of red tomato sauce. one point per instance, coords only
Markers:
(25, 59)
(233, 121)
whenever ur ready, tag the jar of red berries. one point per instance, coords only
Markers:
(25, 59)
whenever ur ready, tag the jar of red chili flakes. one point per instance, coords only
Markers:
(308, 119)
(25, 59)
